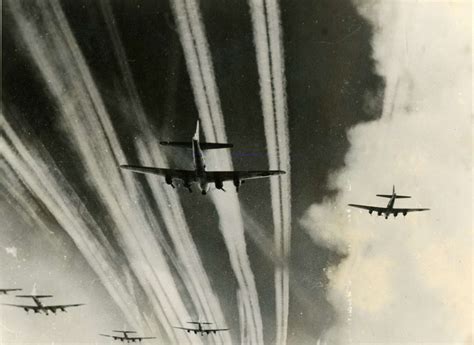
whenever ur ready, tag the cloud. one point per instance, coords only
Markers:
(407, 279)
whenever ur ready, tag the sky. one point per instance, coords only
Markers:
(349, 98)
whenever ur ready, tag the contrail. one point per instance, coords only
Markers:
(199, 64)
(169, 204)
(77, 95)
(39, 174)
(269, 50)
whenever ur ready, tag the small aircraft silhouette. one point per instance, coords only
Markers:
(389, 209)
(6, 291)
(202, 330)
(40, 307)
(126, 337)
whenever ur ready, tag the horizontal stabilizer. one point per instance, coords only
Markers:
(34, 296)
(125, 331)
(204, 146)
(396, 196)
(384, 195)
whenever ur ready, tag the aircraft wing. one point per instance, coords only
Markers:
(54, 307)
(30, 307)
(370, 208)
(216, 329)
(186, 329)
(391, 211)
(140, 338)
(214, 176)
(184, 175)
(406, 210)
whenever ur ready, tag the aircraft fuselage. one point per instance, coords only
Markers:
(199, 165)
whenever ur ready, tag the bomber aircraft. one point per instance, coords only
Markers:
(6, 291)
(202, 330)
(40, 307)
(390, 209)
(200, 175)
(125, 337)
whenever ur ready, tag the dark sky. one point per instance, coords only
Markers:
(330, 77)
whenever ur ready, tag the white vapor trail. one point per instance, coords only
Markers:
(269, 50)
(408, 280)
(149, 152)
(199, 64)
(37, 171)
(87, 123)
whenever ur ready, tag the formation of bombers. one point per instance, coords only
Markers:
(203, 179)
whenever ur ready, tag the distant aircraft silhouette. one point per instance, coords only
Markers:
(202, 330)
(40, 307)
(389, 209)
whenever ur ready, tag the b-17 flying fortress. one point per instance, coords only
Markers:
(200, 176)
(39, 307)
(390, 209)
(200, 329)
(125, 337)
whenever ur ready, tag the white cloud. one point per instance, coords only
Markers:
(407, 279)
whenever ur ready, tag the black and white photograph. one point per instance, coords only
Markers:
(236, 172)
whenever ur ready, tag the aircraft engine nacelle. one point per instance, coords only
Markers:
(26, 309)
(169, 180)
(405, 213)
(219, 184)
(63, 310)
(395, 214)
(379, 213)
(54, 311)
(370, 212)
(36, 311)
(237, 183)
(214, 332)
